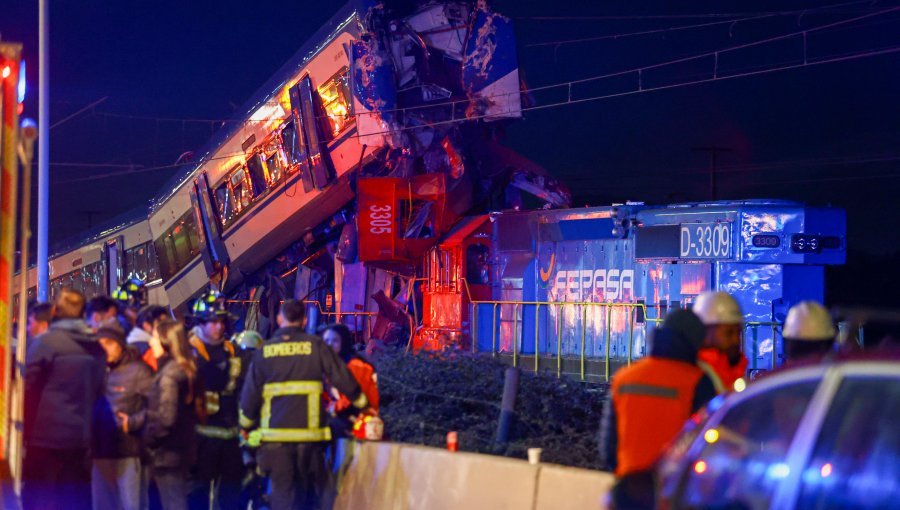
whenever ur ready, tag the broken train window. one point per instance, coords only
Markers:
(335, 94)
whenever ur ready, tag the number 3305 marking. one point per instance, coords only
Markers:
(380, 219)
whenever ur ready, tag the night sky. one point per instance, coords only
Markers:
(168, 73)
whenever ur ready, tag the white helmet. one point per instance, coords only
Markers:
(810, 321)
(718, 308)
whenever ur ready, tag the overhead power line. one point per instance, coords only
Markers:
(841, 8)
(713, 76)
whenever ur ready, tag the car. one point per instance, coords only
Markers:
(821, 436)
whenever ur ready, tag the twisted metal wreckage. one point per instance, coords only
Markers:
(431, 83)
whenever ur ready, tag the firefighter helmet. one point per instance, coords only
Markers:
(132, 293)
(209, 307)
(718, 308)
(808, 321)
(248, 339)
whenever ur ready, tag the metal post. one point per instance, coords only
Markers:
(507, 405)
(494, 331)
(537, 316)
(583, 327)
(515, 333)
(26, 151)
(43, 267)
(631, 311)
(609, 310)
(558, 341)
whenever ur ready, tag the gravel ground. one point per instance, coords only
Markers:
(423, 396)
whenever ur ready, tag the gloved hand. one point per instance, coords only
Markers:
(254, 439)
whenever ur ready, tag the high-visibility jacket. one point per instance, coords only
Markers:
(723, 374)
(283, 394)
(220, 370)
(652, 400)
(365, 376)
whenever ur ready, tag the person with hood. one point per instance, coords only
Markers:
(171, 414)
(118, 480)
(648, 403)
(64, 373)
(147, 318)
(339, 338)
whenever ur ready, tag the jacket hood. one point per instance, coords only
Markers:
(137, 335)
(76, 328)
(665, 343)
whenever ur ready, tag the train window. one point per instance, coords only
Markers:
(225, 204)
(478, 269)
(240, 188)
(273, 167)
(140, 262)
(292, 141)
(335, 94)
(178, 246)
(417, 219)
(257, 173)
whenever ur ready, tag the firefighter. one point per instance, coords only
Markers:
(648, 404)
(721, 357)
(808, 332)
(283, 397)
(131, 296)
(220, 372)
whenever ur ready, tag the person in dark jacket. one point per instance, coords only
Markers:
(649, 402)
(283, 398)
(64, 372)
(170, 417)
(118, 480)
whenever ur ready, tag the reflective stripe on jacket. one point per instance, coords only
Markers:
(283, 392)
(652, 400)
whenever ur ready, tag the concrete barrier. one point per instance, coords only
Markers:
(565, 488)
(408, 477)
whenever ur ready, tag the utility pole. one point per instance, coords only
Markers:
(43, 265)
(713, 152)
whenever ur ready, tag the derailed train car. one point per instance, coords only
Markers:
(377, 93)
(577, 290)
(97, 262)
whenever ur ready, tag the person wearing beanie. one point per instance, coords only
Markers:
(118, 479)
(649, 402)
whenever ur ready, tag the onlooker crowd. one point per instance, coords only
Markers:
(127, 408)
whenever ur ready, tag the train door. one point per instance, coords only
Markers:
(113, 260)
(212, 248)
(307, 113)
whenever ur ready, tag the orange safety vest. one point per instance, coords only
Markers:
(716, 365)
(652, 398)
(365, 376)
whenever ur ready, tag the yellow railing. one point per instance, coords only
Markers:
(631, 309)
(754, 332)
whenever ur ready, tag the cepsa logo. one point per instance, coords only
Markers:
(609, 284)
